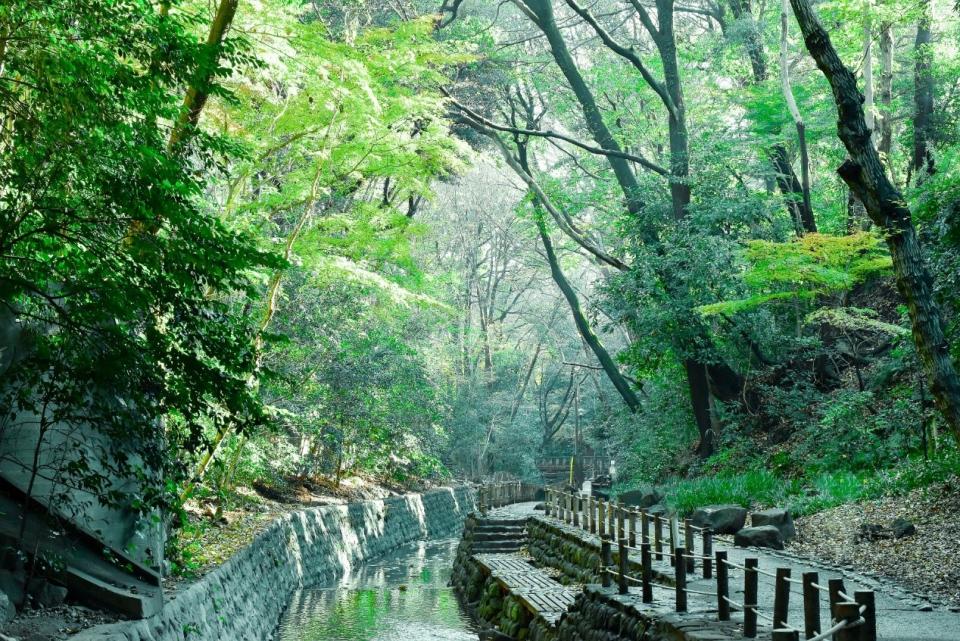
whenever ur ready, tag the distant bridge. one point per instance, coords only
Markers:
(556, 470)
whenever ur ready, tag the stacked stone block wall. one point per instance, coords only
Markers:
(243, 599)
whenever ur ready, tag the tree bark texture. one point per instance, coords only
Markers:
(864, 174)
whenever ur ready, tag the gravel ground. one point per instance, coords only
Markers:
(926, 563)
(53, 624)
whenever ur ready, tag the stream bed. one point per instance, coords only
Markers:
(400, 597)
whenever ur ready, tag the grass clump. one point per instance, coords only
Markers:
(746, 489)
(808, 494)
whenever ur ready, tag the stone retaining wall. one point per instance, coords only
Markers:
(576, 553)
(243, 599)
(555, 546)
(601, 614)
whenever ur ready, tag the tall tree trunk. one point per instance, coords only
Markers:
(790, 186)
(885, 142)
(805, 221)
(199, 89)
(545, 20)
(670, 92)
(864, 174)
(923, 164)
(698, 381)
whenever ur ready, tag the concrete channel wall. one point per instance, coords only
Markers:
(243, 599)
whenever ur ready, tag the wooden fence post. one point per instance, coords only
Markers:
(723, 587)
(811, 605)
(647, 572)
(621, 521)
(834, 588)
(707, 553)
(576, 511)
(750, 597)
(781, 598)
(644, 527)
(784, 634)
(658, 536)
(867, 600)
(674, 538)
(622, 563)
(606, 560)
(601, 518)
(591, 514)
(848, 611)
(688, 544)
(632, 522)
(680, 576)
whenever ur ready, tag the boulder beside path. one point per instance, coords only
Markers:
(763, 536)
(722, 519)
(778, 518)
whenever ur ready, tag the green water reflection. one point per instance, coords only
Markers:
(404, 597)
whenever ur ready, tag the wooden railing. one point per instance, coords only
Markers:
(851, 618)
(495, 495)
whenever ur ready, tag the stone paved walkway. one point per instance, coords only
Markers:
(515, 511)
(900, 616)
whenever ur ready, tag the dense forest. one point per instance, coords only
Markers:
(282, 242)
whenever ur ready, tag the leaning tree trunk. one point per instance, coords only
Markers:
(545, 20)
(864, 174)
(522, 166)
(580, 319)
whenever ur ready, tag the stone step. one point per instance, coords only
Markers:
(497, 536)
(495, 521)
(499, 529)
(496, 546)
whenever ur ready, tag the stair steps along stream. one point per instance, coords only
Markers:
(641, 583)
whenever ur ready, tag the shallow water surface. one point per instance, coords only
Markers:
(401, 597)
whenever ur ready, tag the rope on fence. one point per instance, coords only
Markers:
(760, 614)
(842, 625)
(734, 565)
(764, 572)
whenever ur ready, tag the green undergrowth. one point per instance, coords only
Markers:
(806, 494)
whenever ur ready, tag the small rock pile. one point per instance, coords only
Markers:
(768, 529)
(19, 590)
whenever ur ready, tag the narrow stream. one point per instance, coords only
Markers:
(401, 597)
